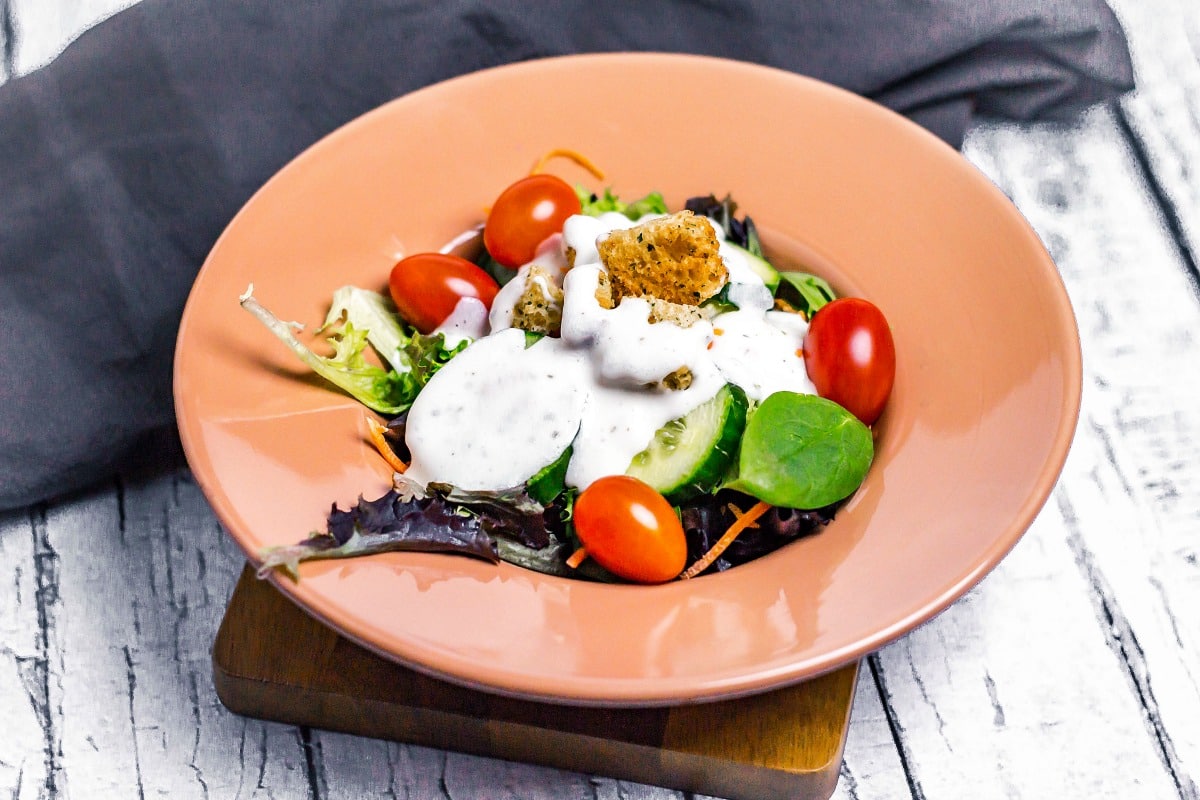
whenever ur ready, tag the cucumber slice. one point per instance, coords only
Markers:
(691, 455)
(762, 268)
(550, 480)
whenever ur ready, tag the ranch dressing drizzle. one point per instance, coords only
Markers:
(468, 320)
(760, 352)
(551, 257)
(628, 353)
(500, 411)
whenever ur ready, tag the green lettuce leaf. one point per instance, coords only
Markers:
(806, 292)
(595, 205)
(358, 317)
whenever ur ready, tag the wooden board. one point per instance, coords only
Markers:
(273, 661)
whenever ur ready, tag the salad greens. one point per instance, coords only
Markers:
(358, 317)
(801, 454)
(802, 451)
(389, 523)
(594, 205)
(806, 292)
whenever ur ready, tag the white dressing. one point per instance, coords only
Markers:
(497, 413)
(746, 288)
(468, 320)
(761, 352)
(500, 411)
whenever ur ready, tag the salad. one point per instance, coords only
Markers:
(610, 390)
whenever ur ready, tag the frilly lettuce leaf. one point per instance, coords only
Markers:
(389, 523)
(594, 205)
(358, 317)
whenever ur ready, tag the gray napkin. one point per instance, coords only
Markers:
(122, 161)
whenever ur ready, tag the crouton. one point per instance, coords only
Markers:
(660, 310)
(674, 258)
(666, 311)
(539, 308)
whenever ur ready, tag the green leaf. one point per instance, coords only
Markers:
(594, 205)
(807, 292)
(371, 312)
(357, 318)
(802, 451)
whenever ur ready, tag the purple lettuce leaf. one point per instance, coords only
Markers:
(389, 523)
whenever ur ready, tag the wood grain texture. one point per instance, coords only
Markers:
(28, 750)
(1162, 116)
(273, 661)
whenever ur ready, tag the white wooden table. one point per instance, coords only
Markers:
(1072, 671)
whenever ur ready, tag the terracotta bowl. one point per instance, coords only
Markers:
(976, 431)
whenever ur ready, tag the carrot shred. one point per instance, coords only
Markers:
(740, 524)
(576, 558)
(572, 155)
(379, 439)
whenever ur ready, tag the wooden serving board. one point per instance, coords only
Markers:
(272, 661)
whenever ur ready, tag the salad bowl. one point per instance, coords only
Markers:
(970, 445)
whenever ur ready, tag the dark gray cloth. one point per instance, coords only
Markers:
(121, 161)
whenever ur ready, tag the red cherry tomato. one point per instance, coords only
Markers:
(524, 215)
(426, 286)
(850, 356)
(630, 530)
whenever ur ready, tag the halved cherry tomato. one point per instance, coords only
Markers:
(630, 530)
(426, 286)
(524, 215)
(850, 356)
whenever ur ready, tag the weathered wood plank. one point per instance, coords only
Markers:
(44, 28)
(1014, 692)
(1130, 495)
(28, 758)
(1163, 113)
(871, 765)
(142, 576)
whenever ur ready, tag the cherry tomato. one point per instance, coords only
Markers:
(630, 530)
(850, 356)
(524, 215)
(426, 286)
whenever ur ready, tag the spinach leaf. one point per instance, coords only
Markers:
(802, 451)
(806, 292)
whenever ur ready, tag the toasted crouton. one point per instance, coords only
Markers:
(666, 311)
(539, 309)
(674, 258)
(660, 310)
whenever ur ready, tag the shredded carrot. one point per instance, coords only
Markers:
(576, 558)
(719, 331)
(800, 353)
(737, 512)
(379, 439)
(740, 524)
(563, 152)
